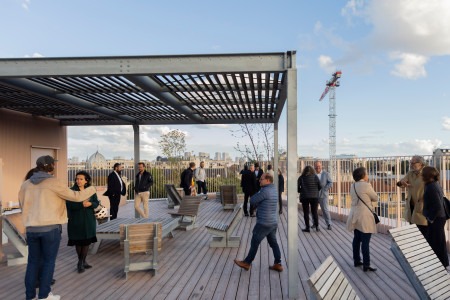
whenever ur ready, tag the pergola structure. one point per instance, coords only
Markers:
(156, 90)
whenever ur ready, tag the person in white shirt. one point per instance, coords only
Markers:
(200, 179)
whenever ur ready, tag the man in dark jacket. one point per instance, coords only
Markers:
(116, 188)
(266, 201)
(142, 184)
(248, 184)
(187, 179)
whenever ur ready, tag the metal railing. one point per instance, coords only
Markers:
(384, 172)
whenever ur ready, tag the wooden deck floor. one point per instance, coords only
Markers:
(189, 269)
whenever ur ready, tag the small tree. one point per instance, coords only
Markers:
(173, 144)
(258, 141)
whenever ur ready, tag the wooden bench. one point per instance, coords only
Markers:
(112, 230)
(228, 196)
(328, 282)
(188, 212)
(15, 231)
(142, 238)
(173, 197)
(222, 231)
(421, 265)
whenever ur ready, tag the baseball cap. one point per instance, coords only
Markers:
(45, 160)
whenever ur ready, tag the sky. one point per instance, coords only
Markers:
(394, 97)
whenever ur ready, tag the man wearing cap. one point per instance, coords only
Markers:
(42, 199)
(116, 188)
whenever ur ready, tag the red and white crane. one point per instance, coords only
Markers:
(331, 85)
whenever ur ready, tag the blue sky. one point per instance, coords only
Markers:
(394, 97)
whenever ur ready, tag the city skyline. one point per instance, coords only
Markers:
(393, 100)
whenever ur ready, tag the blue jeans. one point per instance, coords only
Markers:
(361, 241)
(42, 251)
(259, 233)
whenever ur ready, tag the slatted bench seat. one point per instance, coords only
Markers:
(221, 232)
(188, 212)
(228, 196)
(15, 231)
(112, 230)
(328, 282)
(142, 238)
(420, 264)
(173, 198)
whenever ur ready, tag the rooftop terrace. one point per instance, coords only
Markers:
(190, 269)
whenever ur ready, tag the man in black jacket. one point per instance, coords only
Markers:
(187, 179)
(142, 184)
(116, 188)
(248, 184)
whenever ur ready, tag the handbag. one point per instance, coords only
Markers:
(446, 207)
(375, 216)
(100, 212)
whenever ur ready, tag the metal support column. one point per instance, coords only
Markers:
(292, 157)
(275, 154)
(137, 156)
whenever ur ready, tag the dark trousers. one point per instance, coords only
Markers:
(246, 198)
(436, 239)
(361, 242)
(314, 203)
(201, 186)
(187, 191)
(114, 201)
(280, 202)
(259, 233)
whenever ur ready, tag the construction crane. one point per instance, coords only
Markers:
(331, 85)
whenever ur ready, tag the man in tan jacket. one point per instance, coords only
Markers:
(414, 202)
(42, 199)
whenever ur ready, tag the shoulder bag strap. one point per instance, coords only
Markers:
(361, 199)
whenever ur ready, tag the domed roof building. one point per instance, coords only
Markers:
(96, 161)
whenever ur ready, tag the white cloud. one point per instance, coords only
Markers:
(326, 63)
(446, 123)
(413, 30)
(353, 8)
(35, 54)
(414, 26)
(26, 4)
(411, 66)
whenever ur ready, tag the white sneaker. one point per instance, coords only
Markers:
(51, 297)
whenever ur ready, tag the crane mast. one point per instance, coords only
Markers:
(330, 89)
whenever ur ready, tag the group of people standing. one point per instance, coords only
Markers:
(313, 186)
(47, 204)
(424, 207)
(193, 175)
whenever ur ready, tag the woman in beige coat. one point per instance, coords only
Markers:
(360, 219)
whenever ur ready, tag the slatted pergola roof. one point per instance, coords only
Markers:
(149, 90)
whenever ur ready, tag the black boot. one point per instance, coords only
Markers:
(86, 265)
(80, 266)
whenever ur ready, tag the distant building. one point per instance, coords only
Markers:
(96, 161)
(217, 156)
(441, 157)
(203, 155)
(346, 156)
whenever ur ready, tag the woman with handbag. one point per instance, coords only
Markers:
(361, 218)
(81, 227)
(433, 210)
